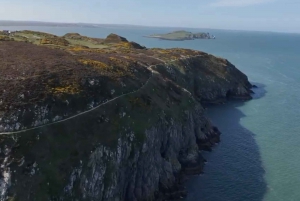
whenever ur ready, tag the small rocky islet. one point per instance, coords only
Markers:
(86, 118)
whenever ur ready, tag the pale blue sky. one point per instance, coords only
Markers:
(261, 15)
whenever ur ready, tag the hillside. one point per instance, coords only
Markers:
(105, 119)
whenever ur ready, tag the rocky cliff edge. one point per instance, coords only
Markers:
(117, 122)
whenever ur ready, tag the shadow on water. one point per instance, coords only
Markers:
(234, 170)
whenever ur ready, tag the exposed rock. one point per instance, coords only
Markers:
(73, 36)
(114, 38)
(136, 45)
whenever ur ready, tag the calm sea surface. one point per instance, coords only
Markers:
(259, 156)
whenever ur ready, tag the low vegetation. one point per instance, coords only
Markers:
(54, 41)
(125, 87)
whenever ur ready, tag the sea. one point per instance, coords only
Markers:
(258, 158)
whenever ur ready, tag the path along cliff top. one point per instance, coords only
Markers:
(39, 70)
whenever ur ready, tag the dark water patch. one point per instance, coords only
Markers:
(234, 170)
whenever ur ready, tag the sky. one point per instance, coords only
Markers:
(258, 15)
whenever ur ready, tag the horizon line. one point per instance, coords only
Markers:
(135, 25)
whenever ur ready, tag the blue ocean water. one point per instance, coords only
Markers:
(259, 156)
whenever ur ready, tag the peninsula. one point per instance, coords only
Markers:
(86, 118)
(182, 35)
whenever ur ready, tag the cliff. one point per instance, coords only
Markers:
(109, 123)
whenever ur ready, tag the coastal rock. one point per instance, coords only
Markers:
(118, 123)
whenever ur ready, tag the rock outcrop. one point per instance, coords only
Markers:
(107, 124)
(114, 38)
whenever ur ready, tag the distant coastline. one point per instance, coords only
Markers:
(51, 24)
(181, 36)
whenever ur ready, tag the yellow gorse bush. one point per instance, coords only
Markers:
(71, 89)
(94, 63)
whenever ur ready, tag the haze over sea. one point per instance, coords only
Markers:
(259, 156)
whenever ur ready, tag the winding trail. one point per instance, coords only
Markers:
(100, 105)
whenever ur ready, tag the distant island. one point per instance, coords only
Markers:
(182, 35)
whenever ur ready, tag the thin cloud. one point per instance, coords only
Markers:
(238, 3)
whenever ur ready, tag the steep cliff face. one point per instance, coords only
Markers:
(130, 132)
(153, 170)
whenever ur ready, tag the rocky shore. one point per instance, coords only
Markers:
(116, 122)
